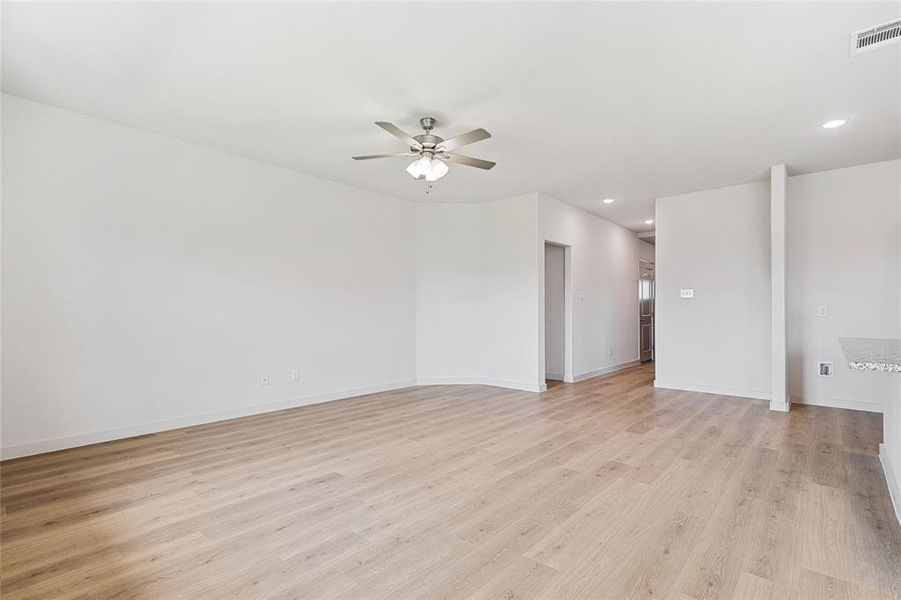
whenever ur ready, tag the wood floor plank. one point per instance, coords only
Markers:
(608, 488)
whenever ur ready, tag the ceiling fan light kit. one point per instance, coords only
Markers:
(430, 169)
(432, 151)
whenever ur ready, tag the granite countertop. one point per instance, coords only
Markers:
(873, 354)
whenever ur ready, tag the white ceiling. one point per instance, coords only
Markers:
(585, 101)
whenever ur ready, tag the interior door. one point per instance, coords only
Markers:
(646, 310)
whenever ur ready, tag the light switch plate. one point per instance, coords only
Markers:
(686, 293)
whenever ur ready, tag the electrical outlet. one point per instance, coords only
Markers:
(826, 369)
(609, 351)
(264, 380)
(822, 311)
(295, 374)
(689, 293)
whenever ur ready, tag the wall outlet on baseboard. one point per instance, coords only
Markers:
(295, 374)
(826, 369)
(264, 380)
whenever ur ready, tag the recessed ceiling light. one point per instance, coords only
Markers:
(649, 222)
(609, 200)
(834, 123)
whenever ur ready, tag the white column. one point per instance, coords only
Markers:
(778, 180)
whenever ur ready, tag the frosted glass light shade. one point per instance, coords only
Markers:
(419, 167)
(436, 171)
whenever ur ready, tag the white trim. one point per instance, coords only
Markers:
(839, 403)
(894, 491)
(780, 406)
(449, 381)
(710, 389)
(604, 371)
(107, 435)
(554, 376)
(511, 385)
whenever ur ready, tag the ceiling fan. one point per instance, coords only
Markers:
(432, 150)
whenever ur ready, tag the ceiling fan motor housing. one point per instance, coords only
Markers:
(427, 140)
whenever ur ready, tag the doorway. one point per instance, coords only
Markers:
(554, 312)
(646, 293)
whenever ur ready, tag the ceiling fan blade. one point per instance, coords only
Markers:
(396, 154)
(398, 133)
(476, 135)
(468, 160)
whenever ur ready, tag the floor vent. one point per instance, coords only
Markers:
(876, 37)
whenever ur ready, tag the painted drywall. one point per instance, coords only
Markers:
(780, 399)
(512, 262)
(604, 285)
(449, 296)
(148, 283)
(717, 243)
(477, 293)
(842, 240)
(554, 307)
(890, 450)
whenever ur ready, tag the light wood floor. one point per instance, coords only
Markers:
(603, 489)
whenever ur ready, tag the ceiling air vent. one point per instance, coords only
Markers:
(876, 37)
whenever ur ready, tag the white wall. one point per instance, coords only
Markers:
(604, 282)
(842, 252)
(890, 451)
(449, 292)
(149, 283)
(477, 293)
(717, 243)
(554, 322)
(512, 273)
(889, 174)
(842, 240)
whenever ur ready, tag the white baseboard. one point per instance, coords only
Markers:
(709, 389)
(511, 385)
(554, 376)
(604, 370)
(891, 479)
(449, 381)
(839, 403)
(515, 385)
(94, 437)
